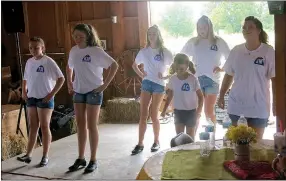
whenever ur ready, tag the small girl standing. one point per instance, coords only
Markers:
(42, 80)
(188, 97)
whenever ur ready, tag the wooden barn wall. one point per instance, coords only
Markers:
(280, 47)
(54, 21)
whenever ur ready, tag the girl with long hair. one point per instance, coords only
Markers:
(207, 51)
(88, 59)
(249, 69)
(156, 59)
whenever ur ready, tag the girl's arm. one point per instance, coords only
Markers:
(113, 69)
(226, 83)
(24, 90)
(69, 72)
(138, 71)
(170, 95)
(200, 101)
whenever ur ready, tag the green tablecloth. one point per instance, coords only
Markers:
(187, 164)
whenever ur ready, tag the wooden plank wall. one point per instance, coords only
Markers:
(54, 21)
(280, 47)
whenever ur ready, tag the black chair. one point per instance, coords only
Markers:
(181, 139)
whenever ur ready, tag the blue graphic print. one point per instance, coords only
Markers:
(86, 58)
(259, 61)
(185, 87)
(214, 48)
(157, 57)
(41, 69)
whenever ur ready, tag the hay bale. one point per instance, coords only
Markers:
(12, 145)
(123, 110)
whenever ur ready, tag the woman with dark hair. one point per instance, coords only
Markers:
(250, 67)
(207, 51)
(156, 59)
(88, 59)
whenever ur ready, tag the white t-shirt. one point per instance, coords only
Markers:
(153, 63)
(88, 64)
(252, 71)
(41, 76)
(207, 56)
(185, 96)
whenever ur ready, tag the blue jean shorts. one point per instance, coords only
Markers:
(152, 87)
(92, 98)
(185, 117)
(253, 122)
(208, 86)
(34, 102)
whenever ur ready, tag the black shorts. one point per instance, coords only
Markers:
(186, 117)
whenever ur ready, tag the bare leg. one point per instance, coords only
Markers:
(80, 114)
(145, 98)
(92, 121)
(34, 125)
(179, 128)
(45, 118)
(156, 103)
(209, 104)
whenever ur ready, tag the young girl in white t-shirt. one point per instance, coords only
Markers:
(250, 67)
(42, 80)
(156, 59)
(88, 59)
(188, 97)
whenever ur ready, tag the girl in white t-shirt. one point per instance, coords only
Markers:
(88, 59)
(207, 51)
(188, 97)
(42, 80)
(250, 66)
(156, 59)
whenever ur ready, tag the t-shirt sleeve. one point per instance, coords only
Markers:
(271, 63)
(224, 49)
(197, 84)
(105, 60)
(139, 59)
(168, 58)
(228, 66)
(71, 60)
(55, 71)
(26, 71)
(188, 48)
(169, 84)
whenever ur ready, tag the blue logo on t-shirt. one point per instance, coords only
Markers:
(157, 57)
(86, 58)
(185, 87)
(41, 69)
(214, 47)
(259, 61)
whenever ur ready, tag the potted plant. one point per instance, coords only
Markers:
(241, 136)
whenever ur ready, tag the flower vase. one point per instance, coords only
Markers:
(242, 152)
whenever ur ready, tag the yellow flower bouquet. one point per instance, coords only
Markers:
(241, 135)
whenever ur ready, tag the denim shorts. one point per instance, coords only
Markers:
(34, 102)
(253, 122)
(208, 86)
(185, 117)
(152, 87)
(92, 98)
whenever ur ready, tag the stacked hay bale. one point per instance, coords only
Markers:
(12, 145)
(122, 110)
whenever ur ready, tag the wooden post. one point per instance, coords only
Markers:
(143, 21)
(280, 68)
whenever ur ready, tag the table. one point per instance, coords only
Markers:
(152, 168)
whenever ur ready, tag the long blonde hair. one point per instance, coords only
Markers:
(212, 38)
(160, 41)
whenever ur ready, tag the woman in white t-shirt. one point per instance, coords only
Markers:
(88, 59)
(250, 66)
(156, 59)
(42, 80)
(188, 97)
(207, 51)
